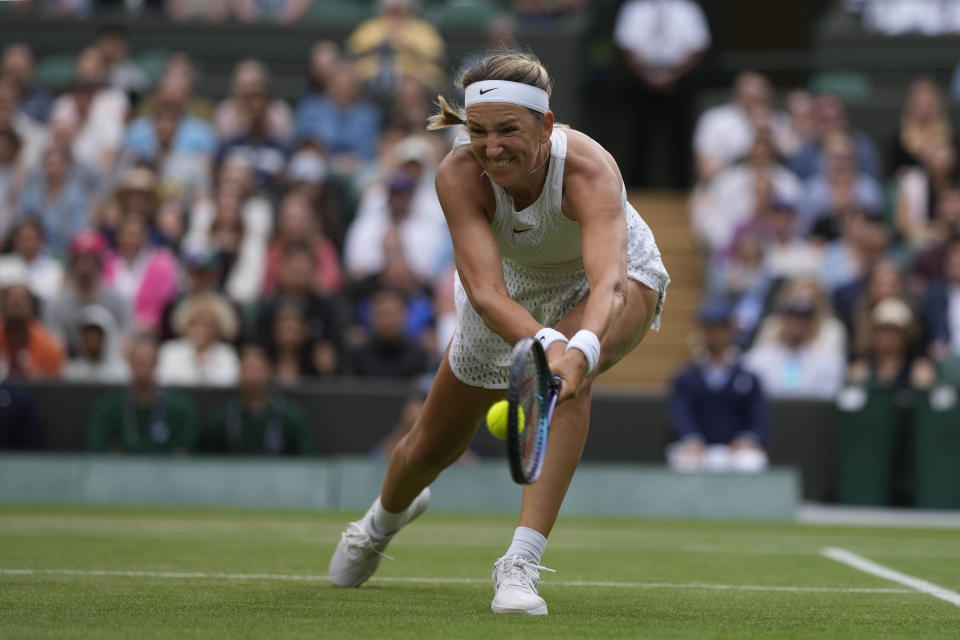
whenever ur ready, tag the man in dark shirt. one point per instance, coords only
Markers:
(718, 409)
(321, 314)
(143, 418)
(258, 421)
(389, 352)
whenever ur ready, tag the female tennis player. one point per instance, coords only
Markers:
(546, 245)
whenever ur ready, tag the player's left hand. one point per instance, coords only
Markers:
(571, 367)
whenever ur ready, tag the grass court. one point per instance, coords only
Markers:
(109, 572)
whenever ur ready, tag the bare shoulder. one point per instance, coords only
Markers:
(460, 180)
(586, 158)
(589, 170)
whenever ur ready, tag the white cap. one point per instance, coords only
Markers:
(892, 312)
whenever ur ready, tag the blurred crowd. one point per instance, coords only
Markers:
(155, 237)
(526, 12)
(832, 258)
(311, 228)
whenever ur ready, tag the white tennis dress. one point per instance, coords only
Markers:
(542, 268)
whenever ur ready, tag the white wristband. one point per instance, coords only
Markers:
(548, 336)
(588, 344)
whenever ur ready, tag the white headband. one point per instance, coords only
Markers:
(524, 95)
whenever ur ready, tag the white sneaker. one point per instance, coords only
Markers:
(360, 549)
(515, 581)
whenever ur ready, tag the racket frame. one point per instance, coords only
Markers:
(526, 471)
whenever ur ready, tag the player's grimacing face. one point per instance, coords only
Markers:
(507, 140)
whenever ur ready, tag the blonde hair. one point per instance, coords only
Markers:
(514, 66)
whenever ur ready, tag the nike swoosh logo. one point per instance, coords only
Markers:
(515, 230)
(483, 91)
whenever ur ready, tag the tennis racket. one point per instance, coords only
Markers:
(532, 391)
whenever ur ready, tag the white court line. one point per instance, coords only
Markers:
(868, 566)
(180, 575)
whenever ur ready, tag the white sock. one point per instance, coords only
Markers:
(384, 522)
(528, 543)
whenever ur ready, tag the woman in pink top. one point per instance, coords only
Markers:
(296, 222)
(145, 276)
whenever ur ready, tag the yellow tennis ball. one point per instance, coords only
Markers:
(497, 419)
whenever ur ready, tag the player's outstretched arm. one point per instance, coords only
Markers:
(468, 205)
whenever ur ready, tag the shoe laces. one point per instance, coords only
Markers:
(360, 542)
(517, 571)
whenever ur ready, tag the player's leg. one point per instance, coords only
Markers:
(437, 439)
(571, 422)
(517, 573)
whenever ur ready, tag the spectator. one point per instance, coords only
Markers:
(201, 276)
(100, 357)
(734, 195)
(143, 418)
(297, 325)
(787, 253)
(113, 43)
(181, 145)
(396, 275)
(927, 263)
(864, 239)
(921, 187)
(725, 132)
(287, 340)
(84, 287)
(830, 116)
(44, 274)
(180, 69)
(883, 280)
(32, 134)
(95, 112)
(17, 63)
(826, 331)
(790, 365)
(415, 212)
(298, 223)
(250, 83)
(410, 106)
(258, 421)
(924, 125)
(20, 424)
(889, 359)
(60, 194)
(662, 42)
(266, 152)
(842, 187)
(389, 352)
(307, 174)
(942, 308)
(741, 278)
(27, 348)
(139, 193)
(799, 130)
(347, 126)
(145, 276)
(202, 355)
(395, 44)
(719, 412)
(325, 55)
(10, 147)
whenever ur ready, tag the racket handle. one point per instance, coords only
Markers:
(556, 383)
